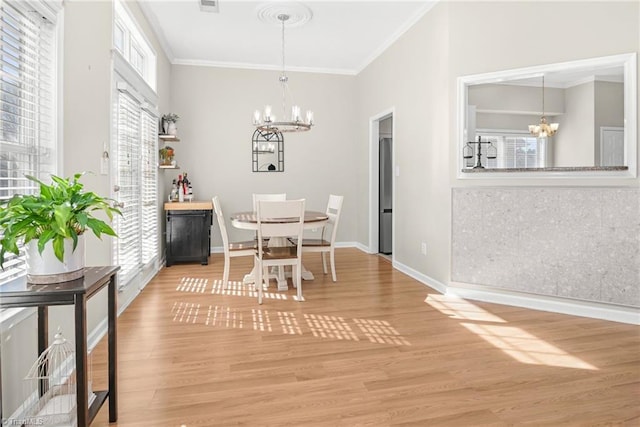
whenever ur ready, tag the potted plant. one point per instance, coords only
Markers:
(169, 123)
(166, 155)
(51, 225)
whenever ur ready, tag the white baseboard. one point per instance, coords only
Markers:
(595, 310)
(362, 247)
(423, 278)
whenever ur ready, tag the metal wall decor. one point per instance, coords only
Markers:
(467, 152)
(267, 149)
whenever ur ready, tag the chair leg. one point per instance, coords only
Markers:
(225, 276)
(333, 264)
(298, 279)
(324, 262)
(258, 283)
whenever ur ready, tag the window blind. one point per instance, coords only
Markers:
(515, 151)
(137, 174)
(128, 251)
(27, 102)
(149, 193)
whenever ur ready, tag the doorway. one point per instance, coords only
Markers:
(382, 172)
(385, 186)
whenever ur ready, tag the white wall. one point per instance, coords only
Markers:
(86, 96)
(573, 145)
(417, 75)
(412, 77)
(216, 107)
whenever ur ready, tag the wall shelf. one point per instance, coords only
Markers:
(168, 167)
(167, 137)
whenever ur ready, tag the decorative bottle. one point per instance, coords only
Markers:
(174, 191)
(180, 189)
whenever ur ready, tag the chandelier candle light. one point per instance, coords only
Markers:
(543, 129)
(266, 121)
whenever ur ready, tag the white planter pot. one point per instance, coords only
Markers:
(172, 129)
(45, 268)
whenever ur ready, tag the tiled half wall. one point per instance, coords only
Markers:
(578, 242)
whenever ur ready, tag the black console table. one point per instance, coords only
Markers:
(188, 233)
(76, 293)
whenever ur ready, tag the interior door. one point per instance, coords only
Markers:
(611, 146)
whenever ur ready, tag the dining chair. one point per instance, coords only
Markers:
(284, 218)
(277, 242)
(266, 196)
(322, 245)
(231, 250)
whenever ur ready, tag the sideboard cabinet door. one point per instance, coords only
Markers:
(188, 236)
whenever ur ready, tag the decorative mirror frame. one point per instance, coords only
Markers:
(628, 61)
(267, 151)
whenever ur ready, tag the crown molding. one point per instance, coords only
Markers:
(247, 66)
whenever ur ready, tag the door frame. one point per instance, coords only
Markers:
(374, 174)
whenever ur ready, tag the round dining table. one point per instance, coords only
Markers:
(249, 221)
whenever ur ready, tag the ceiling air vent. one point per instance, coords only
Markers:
(209, 6)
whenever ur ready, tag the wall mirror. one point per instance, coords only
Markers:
(592, 103)
(267, 151)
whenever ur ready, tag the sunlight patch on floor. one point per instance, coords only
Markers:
(239, 289)
(513, 341)
(224, 317)
(457, 308)
(525, 347)
(261, 321)
(185, 312)
(330, 327)
(289, 323)
(320, 326)
(192, 284)
(380, 331)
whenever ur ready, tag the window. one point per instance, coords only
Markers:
(515, 150)
(136, 166)
(129, 40)
(135, 151)
(28, 140)
(120, 38)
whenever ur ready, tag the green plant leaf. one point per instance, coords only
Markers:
(62, 214)
(82, 219)
(44, 238)
(58, 247)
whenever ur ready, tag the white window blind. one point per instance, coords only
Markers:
(128, 252)
(27, 102)
(136, 168)
(514, 150)
(149, 193)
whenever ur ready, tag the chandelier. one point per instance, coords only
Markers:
(543, 129)
(267, 121)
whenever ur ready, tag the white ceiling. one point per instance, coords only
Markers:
(342, 36)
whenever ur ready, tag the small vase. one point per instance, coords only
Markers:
(171, 129)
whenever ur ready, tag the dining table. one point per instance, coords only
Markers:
(249, 221)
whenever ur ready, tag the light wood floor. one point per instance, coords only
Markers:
(377, 348)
